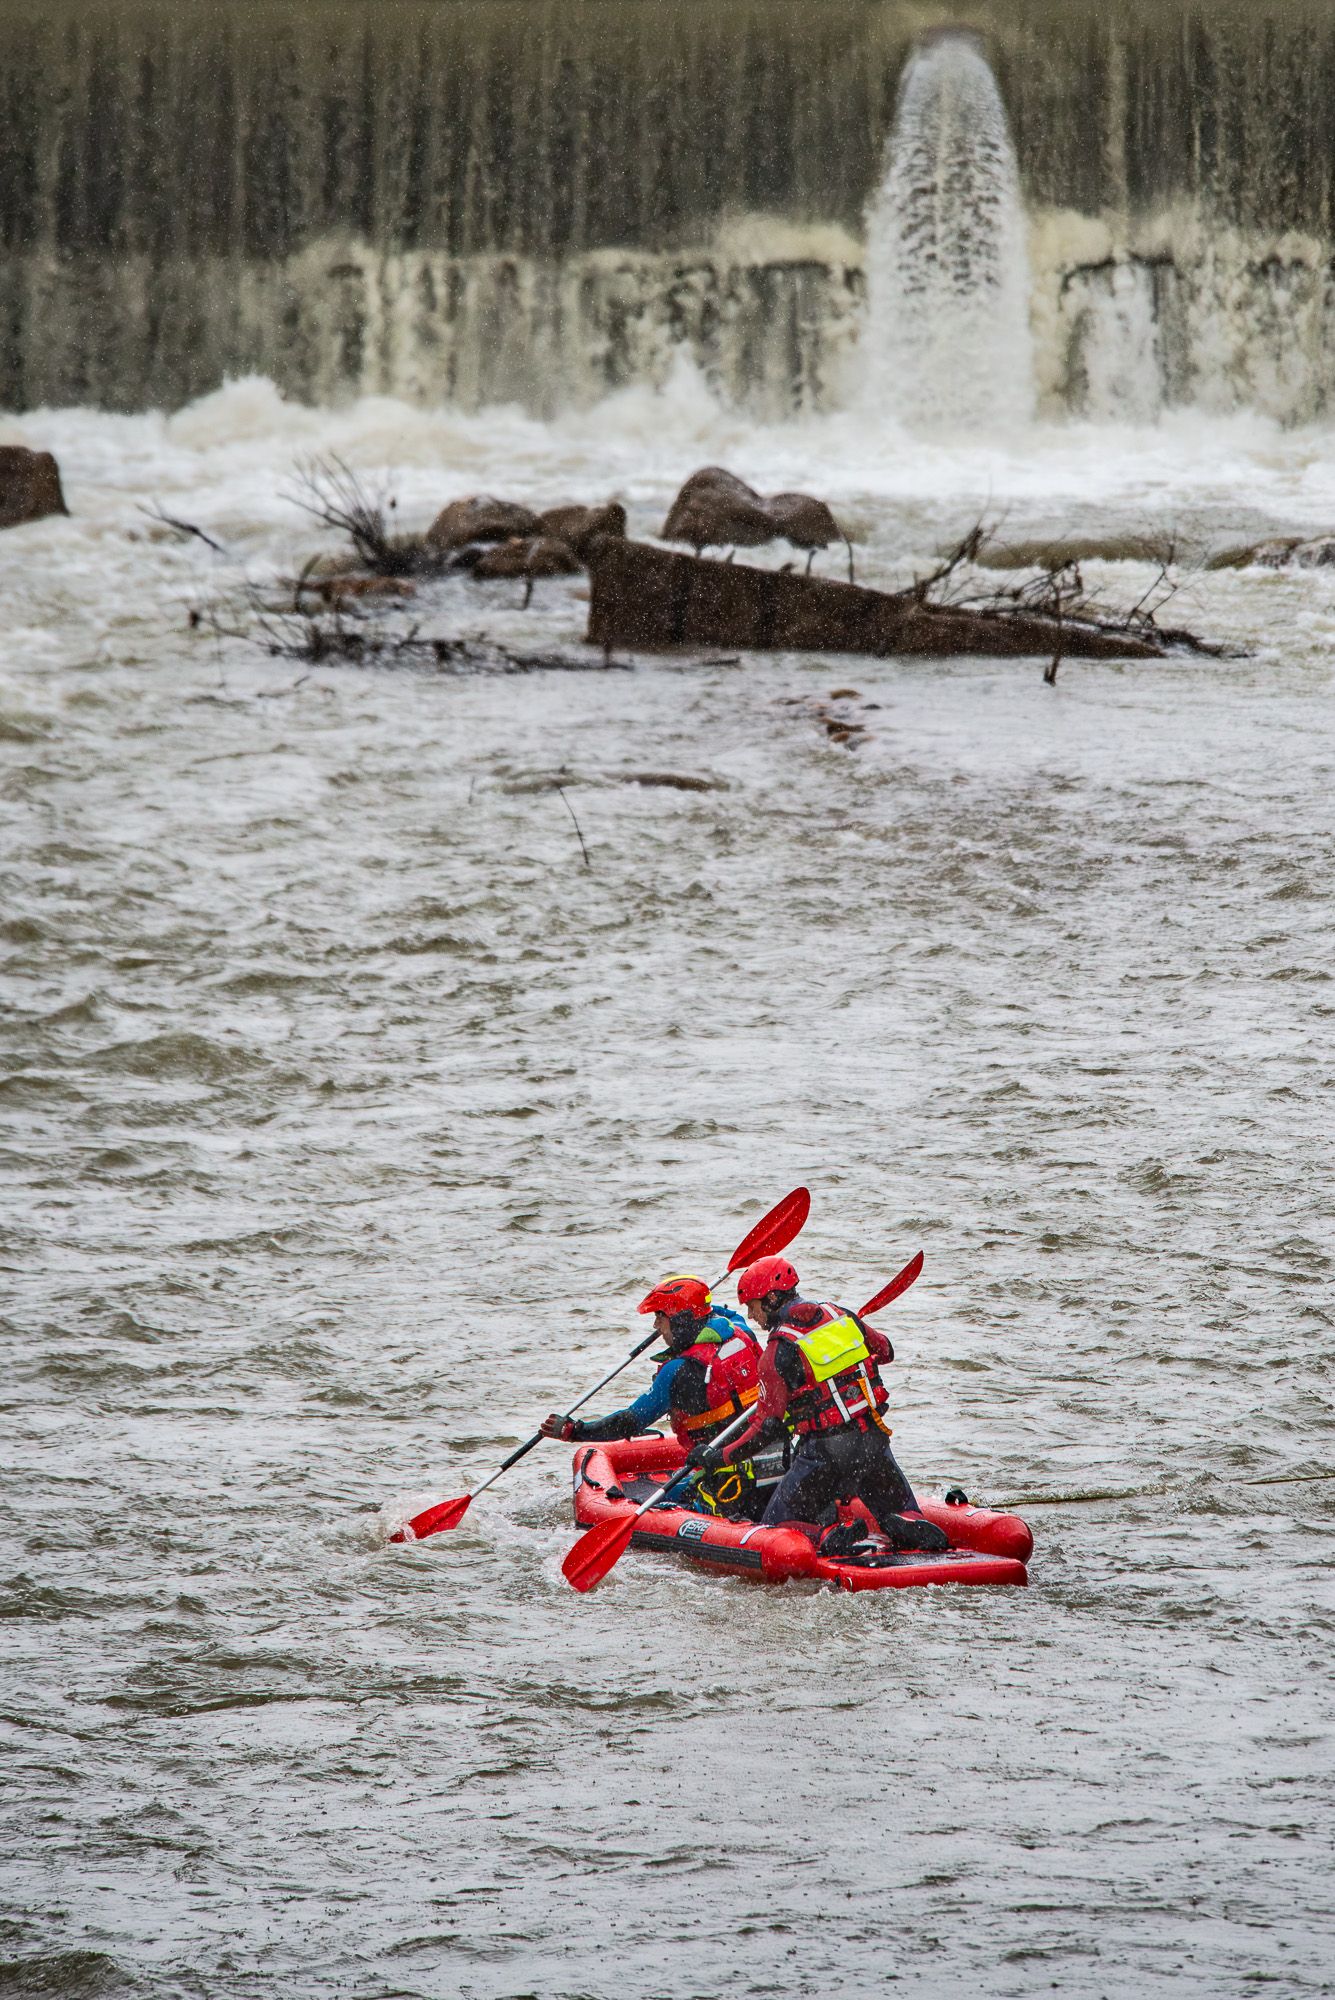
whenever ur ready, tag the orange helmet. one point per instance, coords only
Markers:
(767, 1274)
(682, 1294)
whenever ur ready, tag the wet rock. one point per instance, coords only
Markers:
(578, 526)
(29, 486)
(530, 556)
(806, 523)
(839, 725)
(341, 563)
(480, 518)
(1278, 552)
(673, 781)
(1274, 554)
(715, 509)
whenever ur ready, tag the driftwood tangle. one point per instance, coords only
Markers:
(647, 600)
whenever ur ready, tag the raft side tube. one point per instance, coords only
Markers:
(986, 1548)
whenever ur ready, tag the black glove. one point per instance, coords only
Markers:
(705, 1458)
(568, 1429)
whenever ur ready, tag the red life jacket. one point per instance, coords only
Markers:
(839, 1391)
(732, 1383)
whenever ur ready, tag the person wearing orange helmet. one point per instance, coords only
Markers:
(820, 1375)
(706, 1377)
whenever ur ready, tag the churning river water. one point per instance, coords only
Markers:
(345, 1113)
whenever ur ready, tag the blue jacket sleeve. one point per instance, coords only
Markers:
(641, 1415)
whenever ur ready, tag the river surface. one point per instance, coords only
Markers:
(345, 1114)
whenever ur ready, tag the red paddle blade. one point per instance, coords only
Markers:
(897, 1285)
(433, 1520)
(595, 1553)
(774, 1231)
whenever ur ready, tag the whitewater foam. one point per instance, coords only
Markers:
(230, 462)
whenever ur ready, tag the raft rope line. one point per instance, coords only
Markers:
(1148, 1492)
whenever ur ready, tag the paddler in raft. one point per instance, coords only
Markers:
(706, 1377)
(819, 1375)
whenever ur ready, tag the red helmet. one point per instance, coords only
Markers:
(679, 1295)
(767, 1274)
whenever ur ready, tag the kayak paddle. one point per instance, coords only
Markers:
(908, 1276)
(448, 1513)
(774, 1232)
(607, 1541)
(604, 1544)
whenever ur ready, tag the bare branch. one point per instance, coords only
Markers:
(185, 529)
(965, 551)
(571, 810)
(331, 491)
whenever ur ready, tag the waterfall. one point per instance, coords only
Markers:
(1115, 368)
(544, 204)
(947, 341)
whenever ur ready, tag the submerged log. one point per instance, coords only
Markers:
(648, 600)
(1059, 550)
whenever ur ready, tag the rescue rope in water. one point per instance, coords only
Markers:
(1149, 1492)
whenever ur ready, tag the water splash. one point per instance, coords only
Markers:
(1115, 353)
(948, 342)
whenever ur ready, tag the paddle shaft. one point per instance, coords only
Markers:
(588, 1397)
(892, 1290)
(537, 1436)
(678, 1477)
(602, 1546)
(882, 1298)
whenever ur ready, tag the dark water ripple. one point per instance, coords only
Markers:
(343, 1114)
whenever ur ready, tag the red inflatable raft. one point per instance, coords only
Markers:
(611, 1479)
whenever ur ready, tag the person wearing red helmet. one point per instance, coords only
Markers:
(820, 1375)
(705, 1379)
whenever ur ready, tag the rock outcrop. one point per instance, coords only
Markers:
(1280, 552)
(503, 538)
(536, 555)
(804, 522)
(339, 589)
(480, 518)
(29, 486)
(716, 509)
(1058, 550)
(579, 526)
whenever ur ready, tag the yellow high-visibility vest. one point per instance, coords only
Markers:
(846, 1384)
(832, 1348)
